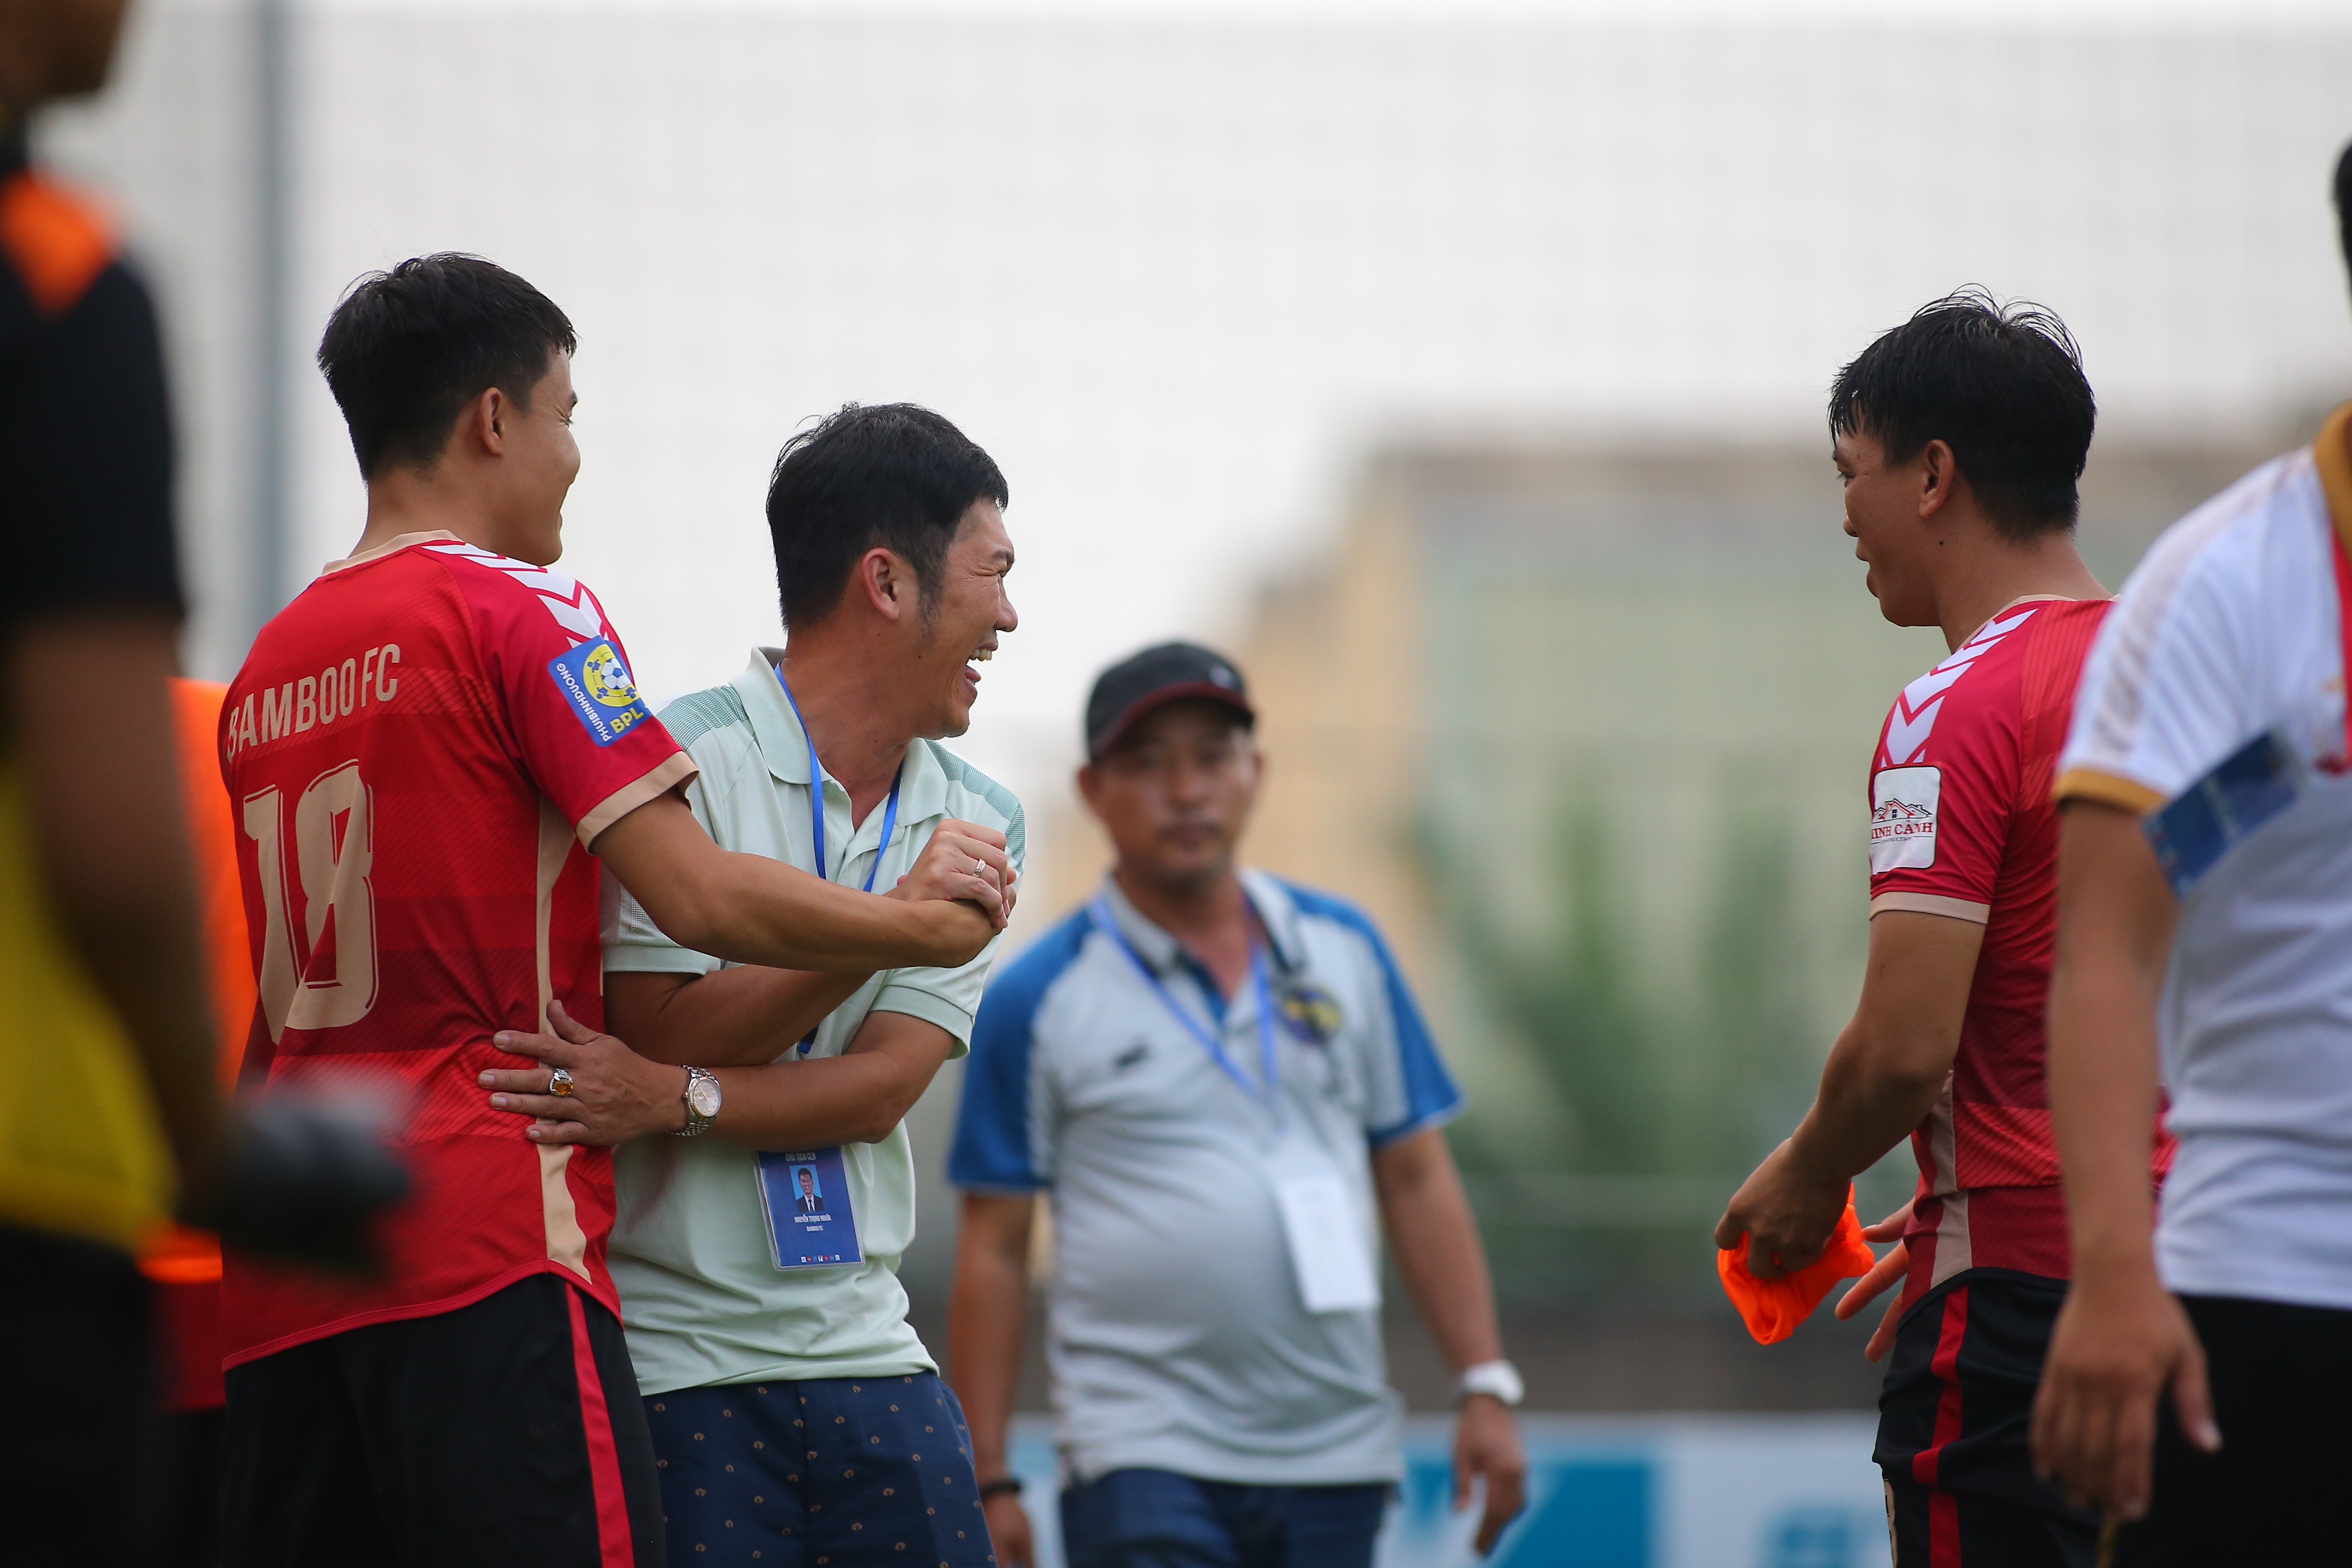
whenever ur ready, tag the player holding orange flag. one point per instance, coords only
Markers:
(1959, 438)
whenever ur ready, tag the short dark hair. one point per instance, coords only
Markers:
(892, 475)
(2344, 202)
(2003, 385)
(407, 349)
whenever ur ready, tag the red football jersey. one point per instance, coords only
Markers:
(1961, 823)
(418, 749)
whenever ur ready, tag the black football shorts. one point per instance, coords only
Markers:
(505, 1432)
(1954, 1418)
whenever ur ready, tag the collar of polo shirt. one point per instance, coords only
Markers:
(923, 786)
(1162, 952)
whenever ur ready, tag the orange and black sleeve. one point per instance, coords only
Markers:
(86, 459)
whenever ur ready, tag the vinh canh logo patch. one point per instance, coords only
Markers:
(597, 684)
(1903, 818)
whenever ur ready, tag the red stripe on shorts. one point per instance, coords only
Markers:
(1943, 1508)
(615, 1548)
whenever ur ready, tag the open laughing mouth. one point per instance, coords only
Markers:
(980, 655)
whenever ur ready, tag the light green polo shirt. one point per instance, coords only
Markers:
(701, 1297)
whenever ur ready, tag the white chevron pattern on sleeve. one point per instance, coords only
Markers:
(1908, 726)
(575, 609)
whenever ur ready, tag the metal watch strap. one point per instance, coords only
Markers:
(697, 1124)
(1497, 1379)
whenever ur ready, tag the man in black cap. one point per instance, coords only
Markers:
(1225, 1084)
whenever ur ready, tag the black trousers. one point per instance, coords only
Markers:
(2279, 1376)
(505, 1432)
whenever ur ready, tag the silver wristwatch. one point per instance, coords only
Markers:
(701, 1099)
(1498, 1378)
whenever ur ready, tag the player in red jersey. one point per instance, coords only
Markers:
(429, 752)
(1959, 437)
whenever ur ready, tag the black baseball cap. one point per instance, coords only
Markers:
(1142, 682)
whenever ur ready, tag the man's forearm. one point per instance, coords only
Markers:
(1886, 1071)
(755, 910)
(2102, 1101)
(1866, 1105)
(2114, 936)
(988, 1312)
(806, 1105)
(103, 775)
(858, 1097)
(744, 1016)
(1891, 1060)
(748, 908)
(1434, 1236)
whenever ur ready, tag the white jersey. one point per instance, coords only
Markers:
(2232, 628)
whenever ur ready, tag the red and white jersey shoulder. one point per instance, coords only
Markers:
(1944, 779)
(419, 748)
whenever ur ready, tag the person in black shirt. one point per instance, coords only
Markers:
(107, 1101)
(111, 1116)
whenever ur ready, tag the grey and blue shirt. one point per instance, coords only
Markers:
(1177, 1336)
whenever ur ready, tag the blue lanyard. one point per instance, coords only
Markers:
(817, 817)
(816, 801)
(1210, 1040)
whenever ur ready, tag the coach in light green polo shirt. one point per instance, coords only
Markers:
(796, 1417)
(702, 1295)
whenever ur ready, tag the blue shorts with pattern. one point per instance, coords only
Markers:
(833, 1472)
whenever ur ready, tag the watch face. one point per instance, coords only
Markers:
(704, 1096)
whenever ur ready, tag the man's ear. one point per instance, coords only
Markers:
(481, 424)
(887, 582)
(1940, 476)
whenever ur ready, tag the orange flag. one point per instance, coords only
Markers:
(1773, 1308)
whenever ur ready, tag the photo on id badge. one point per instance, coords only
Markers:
(810, 1222)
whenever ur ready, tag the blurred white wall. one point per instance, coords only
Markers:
(1174, 272)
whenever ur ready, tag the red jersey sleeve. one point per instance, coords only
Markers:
(578, 725)
(1943, 785)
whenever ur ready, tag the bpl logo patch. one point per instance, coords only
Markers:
(1309, 1012)
(596, 683)
(1903, 818)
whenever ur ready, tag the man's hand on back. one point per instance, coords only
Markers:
(616, 1094)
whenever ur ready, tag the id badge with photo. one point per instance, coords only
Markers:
(811, 1224)
(1330, 1239)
